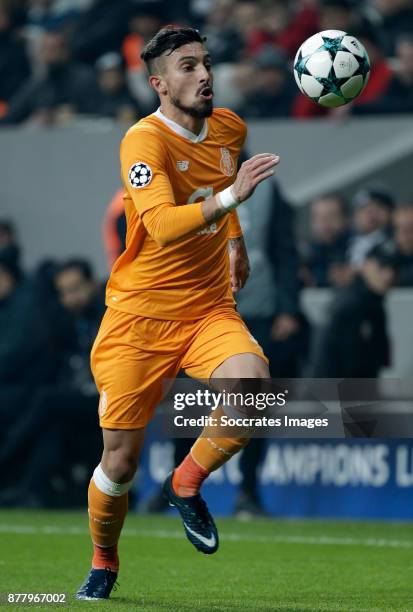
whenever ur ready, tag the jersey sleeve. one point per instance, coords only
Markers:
(234, 227)
(143, 161)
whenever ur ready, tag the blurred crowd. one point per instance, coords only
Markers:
(49, 318)
(65, 58)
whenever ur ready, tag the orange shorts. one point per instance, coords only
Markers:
(132, 356)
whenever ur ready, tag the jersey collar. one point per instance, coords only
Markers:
(181, 130)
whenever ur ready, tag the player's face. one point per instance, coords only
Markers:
(188, 80)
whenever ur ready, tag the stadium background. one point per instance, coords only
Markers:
(60, 170)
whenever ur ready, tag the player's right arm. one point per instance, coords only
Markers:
(144, 173)
(252, 172)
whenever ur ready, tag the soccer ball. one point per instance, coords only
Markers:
(331, 68)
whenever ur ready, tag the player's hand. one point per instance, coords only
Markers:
(252, 172)
(239, 264)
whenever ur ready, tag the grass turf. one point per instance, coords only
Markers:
(261, 565)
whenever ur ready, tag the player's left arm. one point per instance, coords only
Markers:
(239, 264)
(238, 256)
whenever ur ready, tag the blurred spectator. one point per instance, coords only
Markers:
(59, 412)
(395, 18)
(247, 19)
(14, 64)
(271, 90)
(99, 29)
(23, 354)
(339, 15)
(398, 96)
(7, 234)
(113, 98)
(65, 88)
(376, 87)
(281, 26)
(325, 258)
(223, 40)
(49, 15)
(354, 342)
(145, 19)
(373, 208)
(22, 334)
(403, 237)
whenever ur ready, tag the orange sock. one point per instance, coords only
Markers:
(207, 454)
(188, 477)
(210, 451)
(105, 557)
(106, 517)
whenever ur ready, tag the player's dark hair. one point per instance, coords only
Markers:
(169, 39)
(81, 265)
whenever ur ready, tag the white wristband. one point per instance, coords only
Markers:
(227, 199)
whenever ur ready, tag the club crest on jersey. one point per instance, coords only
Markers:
(182, 165)
(227, 163)
(140, 175)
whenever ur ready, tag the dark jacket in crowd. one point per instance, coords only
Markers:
(14, 65)
(224, 45)
(99, 29)
(262, 105)
(69, 84)
(392, 26)
(320, 257)
(404, 271)
(74, 336)
(398, 98)
(113, 105)
(23, 339)
(354, 342)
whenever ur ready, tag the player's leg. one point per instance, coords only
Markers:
(129, 378)
(108, 493)
(223, 348)
(210, 452)
(108, 506)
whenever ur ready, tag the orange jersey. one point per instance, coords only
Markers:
(162, 163)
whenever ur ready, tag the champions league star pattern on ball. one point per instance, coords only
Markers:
(331, 68)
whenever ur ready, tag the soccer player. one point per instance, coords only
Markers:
(169, 296)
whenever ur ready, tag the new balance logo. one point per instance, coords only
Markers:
(182, 165)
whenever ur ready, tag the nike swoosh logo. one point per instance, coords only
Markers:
(211, 541)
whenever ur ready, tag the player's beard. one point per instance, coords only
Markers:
(202, 110)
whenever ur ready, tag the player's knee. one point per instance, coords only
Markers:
(244, 365)
(120, 465)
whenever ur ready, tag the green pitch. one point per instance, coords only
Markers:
(261, 565)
